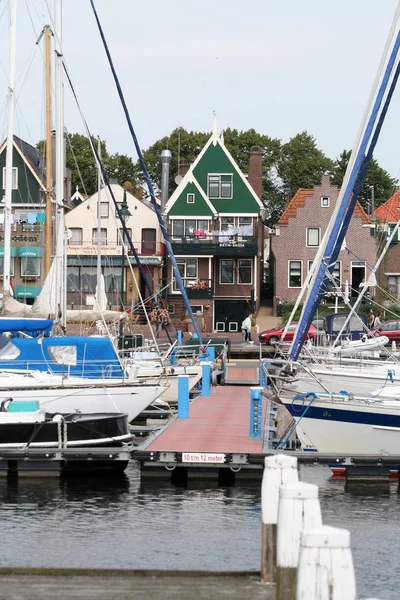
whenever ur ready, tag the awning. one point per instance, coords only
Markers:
(110, 261)
(13, 253)
(27, 291)
(30, 251)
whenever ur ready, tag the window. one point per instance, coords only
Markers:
(325, 201)
(188, 270)
(124, 236)
(197, 308)
(220, 186)
(104, 210)
(243, 221)
(190, 198)
(112, 279)
(72, 279)
(88, 279)
(227, 223)
(313, 236)
(149, 243)
(244, 265)
(103, 237)
(63, 355)
(2, 266)
(336, 273)
(76, 236)
(30, 267)
(226, 271)
(294, 273)
(14, 178)
(189, 228)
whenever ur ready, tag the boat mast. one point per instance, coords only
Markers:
(99, 289)
(48, 245)
(60, 295)
(9, 152)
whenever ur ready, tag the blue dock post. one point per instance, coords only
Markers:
(262, 373)
(183, 396)
(209, 354)
(256, 406)
(179, 337)
(206, 380)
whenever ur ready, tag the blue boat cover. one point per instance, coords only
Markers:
(29, 326)
(78, 356)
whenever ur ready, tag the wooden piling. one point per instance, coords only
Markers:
(278, 469)
(326, 565)
(299, 509)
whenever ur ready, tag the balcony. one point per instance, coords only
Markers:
(216, 244)
(196, 288)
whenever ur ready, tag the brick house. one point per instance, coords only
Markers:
(299, 233)
(214, 222)
(388, 215)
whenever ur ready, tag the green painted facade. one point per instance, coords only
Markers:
(182, 208)
(215, 161)
(28, 191)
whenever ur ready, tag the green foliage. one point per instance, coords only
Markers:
(301, 164)
(384, 185)
(81, 161)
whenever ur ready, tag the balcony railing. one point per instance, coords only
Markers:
(215, 243)
(195, 288)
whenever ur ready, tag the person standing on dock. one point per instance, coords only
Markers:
(246, 330)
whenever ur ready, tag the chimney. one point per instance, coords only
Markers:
(165, 160)
(184, 167)
(255, 170)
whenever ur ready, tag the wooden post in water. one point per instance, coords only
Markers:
(278, 469)
(326, 565)
(299, 509)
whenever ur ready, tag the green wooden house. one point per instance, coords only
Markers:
(215, 226)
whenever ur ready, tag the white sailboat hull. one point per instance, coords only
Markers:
(78, 396)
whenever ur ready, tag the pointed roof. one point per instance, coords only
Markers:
(190, 185)
(32, 157)
(189, 177)
(389, 211)
(299, 199)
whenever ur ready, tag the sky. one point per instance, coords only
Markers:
(278, 66)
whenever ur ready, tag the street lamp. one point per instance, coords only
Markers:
(124, 213)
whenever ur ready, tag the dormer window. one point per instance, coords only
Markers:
(325, 202)
(190, 198)
(220, 186)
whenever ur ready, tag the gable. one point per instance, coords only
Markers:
(183, 208)
(216, 160)
(29, 191)
(389, 211)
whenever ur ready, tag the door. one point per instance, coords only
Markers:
(229, 315)
(144, 291)
(357, 276)
(149, 244)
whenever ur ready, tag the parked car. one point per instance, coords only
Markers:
(273, 336)
(389, 328)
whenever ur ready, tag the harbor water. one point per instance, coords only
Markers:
(122, 523)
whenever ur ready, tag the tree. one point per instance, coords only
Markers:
(80, 159)
(376, 177)
(301, 164)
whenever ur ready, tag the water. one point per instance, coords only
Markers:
(123, 524)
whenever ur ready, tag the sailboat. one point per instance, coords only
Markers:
(341, 416)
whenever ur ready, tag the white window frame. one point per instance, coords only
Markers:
(233, 272)
(233, 327)
(73, 242)
(220, 326)
(24, 263)
(251, 272)
(220, 186)
(14, 178)
(12, 266)
(325, 204)
(245, 224)
(309, 229)
(294, 287)
(102, 238)
(184, 277)
(104, 210)
(190, 198)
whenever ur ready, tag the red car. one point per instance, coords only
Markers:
(272, 336)
(389, 328)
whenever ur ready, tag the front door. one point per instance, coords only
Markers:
(229, 315)
(357, 276)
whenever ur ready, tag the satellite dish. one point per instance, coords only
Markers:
(178, 179)
(69, 234)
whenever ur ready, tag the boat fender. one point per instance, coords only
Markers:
(57, 418)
